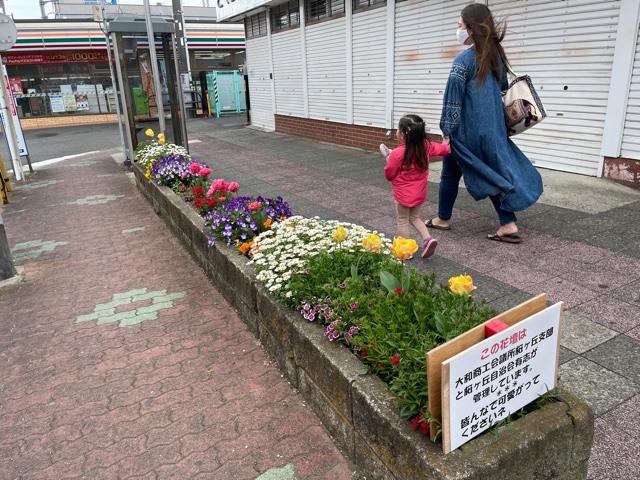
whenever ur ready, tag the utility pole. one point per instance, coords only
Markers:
(181, 39)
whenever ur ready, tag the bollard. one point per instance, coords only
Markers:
(7, 269)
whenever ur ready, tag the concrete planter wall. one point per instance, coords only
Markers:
(552, 442)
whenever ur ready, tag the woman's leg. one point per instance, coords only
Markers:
(448, 191)
(402, 214)
(507, 219)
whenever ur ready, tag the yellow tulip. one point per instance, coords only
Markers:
(150, 133)
(372, 243)
(161, 141)
(404, 248)
(461, 285)
(340, 234)
(161, 136)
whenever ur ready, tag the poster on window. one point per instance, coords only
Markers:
(57, 104)
(16, 86)
(69, 100)
(82, 102)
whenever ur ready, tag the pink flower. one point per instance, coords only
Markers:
(222, 198)
(217, 186)
(194, 168)
(254, 206)
(234, 187)
(204, 172)
(184, 175)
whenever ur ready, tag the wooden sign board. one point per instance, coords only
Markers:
(498, 376)
(447, 350)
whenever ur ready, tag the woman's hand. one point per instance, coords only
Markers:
(446, 141)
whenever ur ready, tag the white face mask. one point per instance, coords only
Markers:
(462, 36)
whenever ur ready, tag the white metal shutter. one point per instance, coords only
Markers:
(369, 67)
(567, 47)
(287, 75)
(631, 132)
(425, 46)
(327, 70)
(260, 83)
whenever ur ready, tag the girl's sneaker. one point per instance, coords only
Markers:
(429, 247)
(384, 150)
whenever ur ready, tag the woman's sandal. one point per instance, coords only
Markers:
(429, 223)
(507, 237)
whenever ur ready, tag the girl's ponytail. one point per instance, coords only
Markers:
(413, 128)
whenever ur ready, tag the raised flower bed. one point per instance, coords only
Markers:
(551, 442)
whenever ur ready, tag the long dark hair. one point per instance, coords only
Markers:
(412, 126)
(487, 35)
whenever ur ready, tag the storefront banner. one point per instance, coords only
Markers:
(56, 57)
(22, 144)
(57, 105)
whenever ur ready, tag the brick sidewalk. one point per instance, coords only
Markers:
(118, 358)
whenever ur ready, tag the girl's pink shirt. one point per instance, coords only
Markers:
(410, 186)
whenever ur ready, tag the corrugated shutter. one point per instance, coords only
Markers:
(326, 70)
(260, 83)
(631, 132)
(425, 46)
(369, 67)
(567, 47)
(287, 75)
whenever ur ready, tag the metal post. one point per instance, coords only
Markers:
(181, 39)
(183, 121)
(126, 98)
(107, 38)
(10, 131)
(154, 66)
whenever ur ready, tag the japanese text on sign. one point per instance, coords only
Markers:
(501, 374)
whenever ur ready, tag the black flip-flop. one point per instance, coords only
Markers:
(507, 238)
(429, 223)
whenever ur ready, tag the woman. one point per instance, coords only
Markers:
(473, 117)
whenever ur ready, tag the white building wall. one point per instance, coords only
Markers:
(287, 73)
(567, 48)
(369, 67)
(425, 46)
(631, 132)
(260, 92)
(326, 70)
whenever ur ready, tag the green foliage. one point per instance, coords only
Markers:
(394, 329)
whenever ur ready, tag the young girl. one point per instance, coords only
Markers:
(408, 169)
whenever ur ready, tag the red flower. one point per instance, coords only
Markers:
(211, 202)
(363, 354)
(194, 168)
(204, 172)
(398, 290)
(198, 191)
(381, 366)
(395, 360)
(415, 423)
(425, 427)
(199, 202)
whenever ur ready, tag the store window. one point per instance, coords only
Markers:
(213, 59)
(256, 25)
(365, 4)
(285, 16)
(317, 10)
